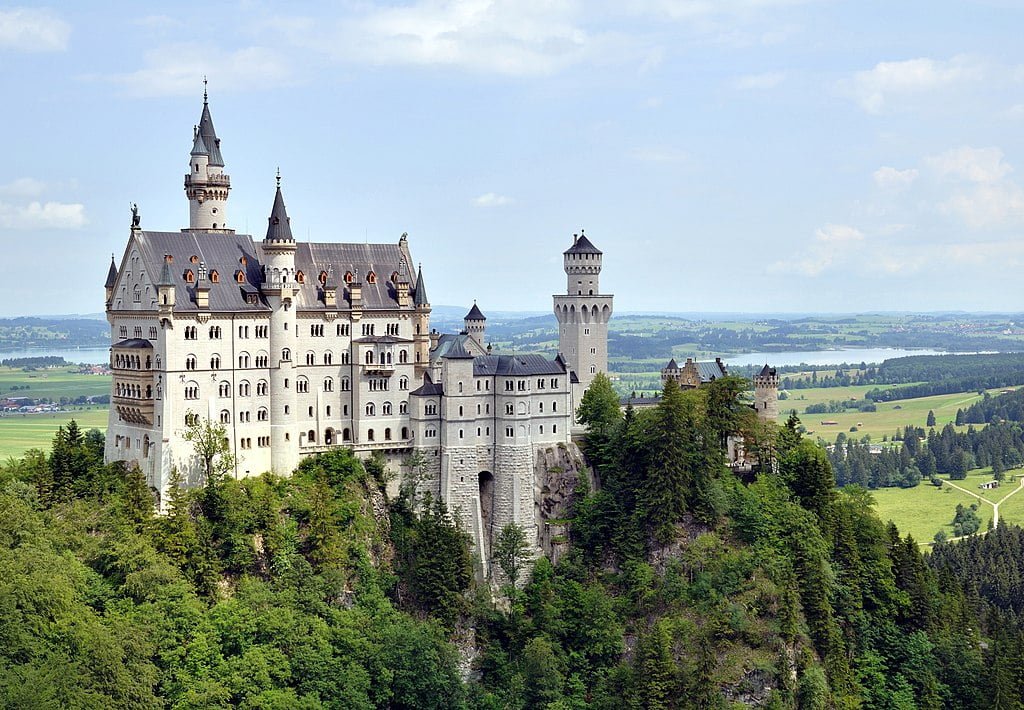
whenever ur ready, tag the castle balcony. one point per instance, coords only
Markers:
(206, 181)
(133, 410)
(378, 369)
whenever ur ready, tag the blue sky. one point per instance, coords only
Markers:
(727, 155)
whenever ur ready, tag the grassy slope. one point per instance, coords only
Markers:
(52, 383)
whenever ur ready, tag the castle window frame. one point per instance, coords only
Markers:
(301, 385)
(371, 278)
(191, 390)
(403, 408)
(190, 362)
(225, 416)
(190, 278)
(240, 276)
(261, 388)
(385, 409)
(310, 358)
(328, 358)
(300, 277)
(224, 389)
(215, 362)
(215, 276)
(328, 384)
(244, 388)
(387, 433)
(262, 414)
(371, 409)
(510, 408)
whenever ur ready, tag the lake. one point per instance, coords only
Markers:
(825, 357)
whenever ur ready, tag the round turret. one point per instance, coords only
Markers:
(766, 393)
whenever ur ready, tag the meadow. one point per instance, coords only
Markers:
(21, 432)
(51, 383)
(924, 510)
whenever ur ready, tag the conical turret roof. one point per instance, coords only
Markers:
(111, 274)
(279, 229)
(166, 277)
(209, 136)
(199, 145)
(475, 314)
(582, 245)
(419, 297)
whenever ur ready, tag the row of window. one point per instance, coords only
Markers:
(123, 389)
(125, 361)
(137, 332)
(215, 332)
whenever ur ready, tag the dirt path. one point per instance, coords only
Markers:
(995, 506)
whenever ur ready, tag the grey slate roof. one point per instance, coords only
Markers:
(447, 341)
(386, 339)
(111, 274)
(209, 136)
(428, 388)
(220, 251)
(583, 246)
(279, 227)
(166, 275)
(199, 145)
(134, 343)
(766, 371)
(516, 365)
(458, 351)
(709, 371)
(383, 259)
(672, 365)
(475, 313)
(419, 297)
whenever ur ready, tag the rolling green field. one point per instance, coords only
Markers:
(51, 383)
(924, 510)
(889, 416)
(21, 432)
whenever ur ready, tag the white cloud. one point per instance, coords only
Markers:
(518, 38)
(178, 69)
(986, 205)
(768, 80)
(983, 165)
(33, 30)
(889, 178)
(492, 199)
(37, 215)
(159, 22)
(23, 187)
(874, 89)
(830, 242)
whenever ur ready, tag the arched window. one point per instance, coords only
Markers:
(403, 383)
(261, 388)
(300, 277)
(215, 362)
(189, 276)
(224, 389)
(262, 414)
(403, 408)
(346, 435)
(328, 384)
(310, 358)
(190, 362)
(371, 278)
(225, 416)
(322, 278)
(345, 385)
(370, 409)
(311, 436)
(215, 277)
(387, 434)
(369, 357)
(348, 277)
(403, 357)
(328, 357)
(385, 408)
(301, 385)
(243, 360)
(405, 432)
(286, 355)
(369, 434)
(240, 276)
(243, 388)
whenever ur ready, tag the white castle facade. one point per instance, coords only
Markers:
(298, 347)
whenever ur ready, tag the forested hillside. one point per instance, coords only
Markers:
(684, 586)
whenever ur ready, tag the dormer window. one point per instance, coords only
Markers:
(348, 277)
(243, 261)
(394, 277)
(300, 277)
(240, 276)
(189, 276)
(323, 278)
(214, 276)
(194, 259)
(371, 278)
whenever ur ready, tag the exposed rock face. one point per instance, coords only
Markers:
(557, 473)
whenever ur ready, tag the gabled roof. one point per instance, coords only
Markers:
(313, 257)
(447, 341)
(475, 313)
(209, 136)
(111, 274)
(672, 365)
(419, 297)
(279, 227)
(766, 371)
(458, 352)
(582, 245)
(218, 250)
(710, 371)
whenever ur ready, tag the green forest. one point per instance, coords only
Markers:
(684, 586)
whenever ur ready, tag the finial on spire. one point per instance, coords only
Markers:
(204, 88)
(278, 176)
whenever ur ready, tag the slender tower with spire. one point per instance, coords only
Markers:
(279, 287)
(206, 184)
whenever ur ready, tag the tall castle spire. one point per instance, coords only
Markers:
(206, 184)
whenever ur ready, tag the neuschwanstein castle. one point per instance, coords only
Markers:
(297, 347)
